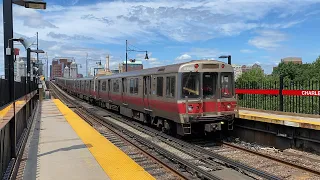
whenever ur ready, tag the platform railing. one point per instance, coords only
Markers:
(280, 95)
(14, 120)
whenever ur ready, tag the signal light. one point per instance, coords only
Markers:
(222, 66)
(196, 66)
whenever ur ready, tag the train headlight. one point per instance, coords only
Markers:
(229, 106)
(190, 108)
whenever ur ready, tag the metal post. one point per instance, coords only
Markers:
(280, 93)
(28, 69)
(229, 60)
(126, 55)
(8, 34)
(47, 67)
(87, 65)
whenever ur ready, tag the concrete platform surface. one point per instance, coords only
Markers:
(287, 120)
(56, 151)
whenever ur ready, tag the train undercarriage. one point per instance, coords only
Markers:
(205, 125)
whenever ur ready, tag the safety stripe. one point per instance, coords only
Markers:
(114, 162)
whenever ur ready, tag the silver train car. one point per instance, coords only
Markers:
(187, 98)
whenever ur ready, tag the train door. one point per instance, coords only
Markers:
(98, 89)
(210, 92)
(124, 91)
(146, 91)
(109, 89)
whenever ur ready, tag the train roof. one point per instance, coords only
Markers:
(173, 68)
(164, 69)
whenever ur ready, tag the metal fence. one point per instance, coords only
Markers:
(13, 125)
(280, 95)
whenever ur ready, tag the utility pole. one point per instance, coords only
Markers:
(47, 67)
(38, 53)
(146, 57)
(87, 65)
(126, 55)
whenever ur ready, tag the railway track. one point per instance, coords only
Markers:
(276, 164)
(156, 166)
(195, 160)
(294, 165)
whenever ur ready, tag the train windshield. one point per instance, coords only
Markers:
(209, 84)
(226, 85)
(191, 85)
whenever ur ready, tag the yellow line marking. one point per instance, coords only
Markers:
(4, 111)
(113, 161)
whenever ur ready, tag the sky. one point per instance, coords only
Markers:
(172, 31)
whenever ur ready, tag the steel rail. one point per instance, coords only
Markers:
(193, 168)
(273, 158)
(210, 155)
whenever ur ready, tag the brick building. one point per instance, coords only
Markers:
(58, 65)
(294, 60)
(132, 66)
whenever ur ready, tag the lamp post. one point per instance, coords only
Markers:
(8, 34)
(146, 57)
(229, 58)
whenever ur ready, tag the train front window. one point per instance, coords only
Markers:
(209, 84)
(226, 85)
(190, 85)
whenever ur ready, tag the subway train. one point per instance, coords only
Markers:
(196, 97)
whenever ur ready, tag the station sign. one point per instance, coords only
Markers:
(285, 92)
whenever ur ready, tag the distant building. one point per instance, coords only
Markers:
(245, 68)
(237, 69)
(58, 66)
(20, 68)
(133, 65)
(294, 60)
(80, 76)
(115, 71)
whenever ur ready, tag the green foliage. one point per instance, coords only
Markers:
(296, 77)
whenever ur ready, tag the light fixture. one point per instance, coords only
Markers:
(34, 4)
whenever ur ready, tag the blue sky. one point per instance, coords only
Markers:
(174, 30)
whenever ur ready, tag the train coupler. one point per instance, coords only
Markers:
(212, 127)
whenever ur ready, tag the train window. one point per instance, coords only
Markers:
(124, 85)
(226, 85)
(170, 86)
(134, 85)
(104, 86)
(209, 84)
(116, 85)
(159, 86)
(190, 85)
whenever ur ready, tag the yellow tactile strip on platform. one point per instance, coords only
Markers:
(114, 162)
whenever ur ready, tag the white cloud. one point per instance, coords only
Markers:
(246, 51)
(268, 39)
(205, 53)
(183, 57)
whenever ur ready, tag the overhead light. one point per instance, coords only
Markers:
(38, 51)
(34, 4)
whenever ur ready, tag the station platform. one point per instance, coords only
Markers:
(61, 145)
(286, 119)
